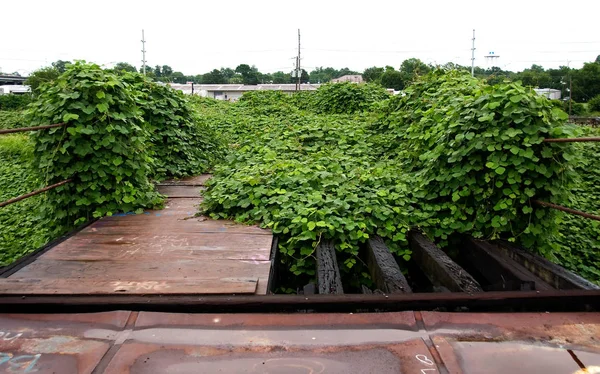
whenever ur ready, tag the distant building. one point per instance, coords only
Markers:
(14, 89)
(550, 93)
(349, 78)
(11, 79)
(232, 92)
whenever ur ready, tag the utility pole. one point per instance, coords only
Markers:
(473, 56)
(298, 69)
(570, 91)
(143, 53)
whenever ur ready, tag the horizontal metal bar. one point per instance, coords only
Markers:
(490, 301)
(34, 128)
(571, 140)
(565, 209)
(22, 197)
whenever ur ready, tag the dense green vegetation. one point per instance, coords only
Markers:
(454, 155)
(578, 239)
(14, 102)
(22, 227)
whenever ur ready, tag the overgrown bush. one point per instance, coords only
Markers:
(594, 104)
(11, 119)
(181, 145)
(14, 102)
(575, 109)
(476, 157)
(103, 148)
(347, 97)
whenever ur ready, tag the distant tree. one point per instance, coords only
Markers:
(236, 79)
(124, 66)
(304, 77)
(413, 68)
(178, 77)
(392, 78)
(166, 71)
(214, 77)
(586, 82)
(373, 74)
(227, 73)
(250, 75)
(60, 65)
(43, 75)
(157, 71)
(597, 59)
(345, 71)
(280, 77)
(323, 75)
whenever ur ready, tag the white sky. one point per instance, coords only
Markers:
(196, 36)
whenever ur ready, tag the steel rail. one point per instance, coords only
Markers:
(37, 192)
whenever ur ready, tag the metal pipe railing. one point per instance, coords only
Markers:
(567, 210)
(37, 192)
(26, 129)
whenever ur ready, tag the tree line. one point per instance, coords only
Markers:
(584, 82)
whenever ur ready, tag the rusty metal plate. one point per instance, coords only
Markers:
(56, 343)
(407, 342)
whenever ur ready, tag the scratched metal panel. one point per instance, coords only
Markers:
(56, 343)
(407, 342)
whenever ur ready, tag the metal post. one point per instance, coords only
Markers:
(143, 53)
(473, 56)
(299, 72)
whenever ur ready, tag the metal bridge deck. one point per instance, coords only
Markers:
(167, 251)
(405, 342)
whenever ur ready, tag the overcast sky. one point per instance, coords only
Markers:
(196, 36)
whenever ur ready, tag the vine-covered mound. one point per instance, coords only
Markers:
(476, 157)
(180, 144)
(103, 148)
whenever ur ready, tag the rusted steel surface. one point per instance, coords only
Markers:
(571, 300)
(567, 210)
(57, 343)
(34, 128)
(169, 251)
(553, 274)
(384, 268)
(37, 192)
(438, 267)
(406, 342)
